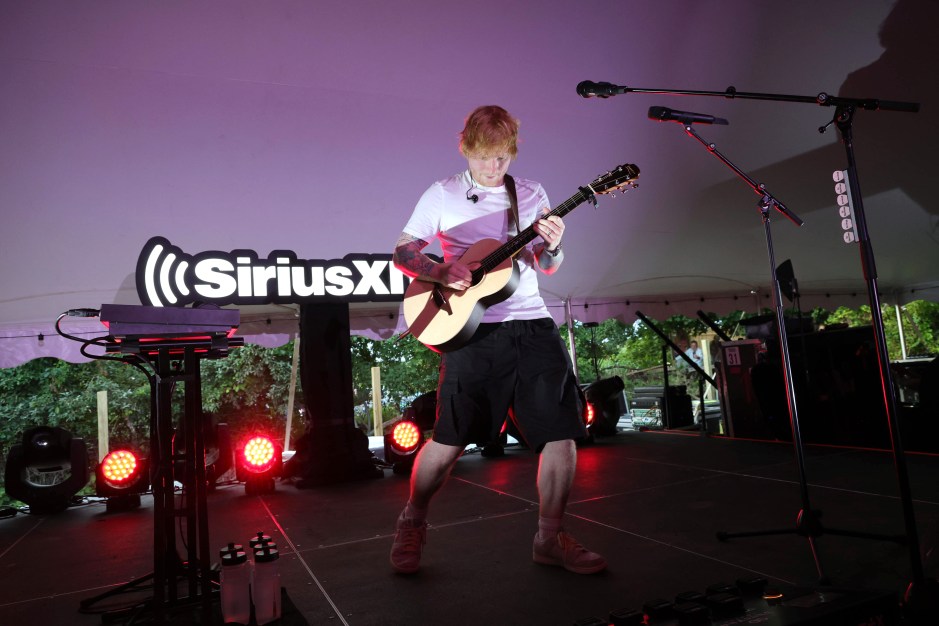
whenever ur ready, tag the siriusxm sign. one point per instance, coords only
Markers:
(166, 276)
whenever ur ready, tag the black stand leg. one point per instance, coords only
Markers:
(177, 454)
(185, 460)
(666, 404)
(922, 596)
(704, 425)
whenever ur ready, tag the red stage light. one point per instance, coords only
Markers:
(402, 442)
(259, 454)
(121, 477)
(258, 463)
(607, 399)
(119, 467)
(590, 414)
(406, 437)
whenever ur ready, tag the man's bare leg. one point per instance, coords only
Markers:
(431, 468)
(552, 546)
(555, 476)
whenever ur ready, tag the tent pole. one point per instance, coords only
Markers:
(291, 394)
(569, 317)
(900, 329)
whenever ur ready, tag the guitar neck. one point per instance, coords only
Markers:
(514, 245)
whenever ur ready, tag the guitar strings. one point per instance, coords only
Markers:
(493, 259)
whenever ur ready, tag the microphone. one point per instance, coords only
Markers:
(589, 89)
(664, 114)
(472, 198)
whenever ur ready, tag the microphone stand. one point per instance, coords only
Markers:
(808, 523)
(605, 90)
(922, 596)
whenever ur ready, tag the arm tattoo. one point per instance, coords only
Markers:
(408, 256)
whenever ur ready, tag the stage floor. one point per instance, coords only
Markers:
(650, 502)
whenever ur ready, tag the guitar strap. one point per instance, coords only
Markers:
(513, 198)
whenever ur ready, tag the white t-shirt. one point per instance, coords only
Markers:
(445, 212)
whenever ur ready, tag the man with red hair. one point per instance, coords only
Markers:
(515, 361)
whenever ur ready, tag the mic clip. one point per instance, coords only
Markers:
(472, 198)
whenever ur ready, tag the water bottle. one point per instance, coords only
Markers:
(235, 584)
(265, 589)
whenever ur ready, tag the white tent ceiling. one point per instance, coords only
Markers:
(314, 126)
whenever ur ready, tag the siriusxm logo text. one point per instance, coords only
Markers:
(166, 276)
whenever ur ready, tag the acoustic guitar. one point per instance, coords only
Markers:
(445, 319)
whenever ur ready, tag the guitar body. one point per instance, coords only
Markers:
(448, 325)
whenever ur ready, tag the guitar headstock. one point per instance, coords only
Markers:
(622, 177)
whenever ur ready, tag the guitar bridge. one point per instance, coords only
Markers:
(440, 300)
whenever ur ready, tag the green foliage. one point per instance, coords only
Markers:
(249, 389)
(920, 326)
(634, 353)
(55, 393)
(408, 369)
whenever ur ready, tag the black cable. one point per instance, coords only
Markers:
(94, 341)
(59, 330)
(101, 342)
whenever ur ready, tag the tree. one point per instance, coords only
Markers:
(920, 321)
(408, 369)
(55, 393)
(634, 353)
(249, 390)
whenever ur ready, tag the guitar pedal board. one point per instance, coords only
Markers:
(754, 601)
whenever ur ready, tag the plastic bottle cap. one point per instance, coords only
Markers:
(259, 540)
(266, 554)
(233, 554)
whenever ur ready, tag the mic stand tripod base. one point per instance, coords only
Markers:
(809, 525)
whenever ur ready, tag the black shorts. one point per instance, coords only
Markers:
(520, 365)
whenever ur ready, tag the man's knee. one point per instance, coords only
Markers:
(437, 457)
(562, 448)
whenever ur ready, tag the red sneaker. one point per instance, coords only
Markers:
(564, 551)
(406, 549)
